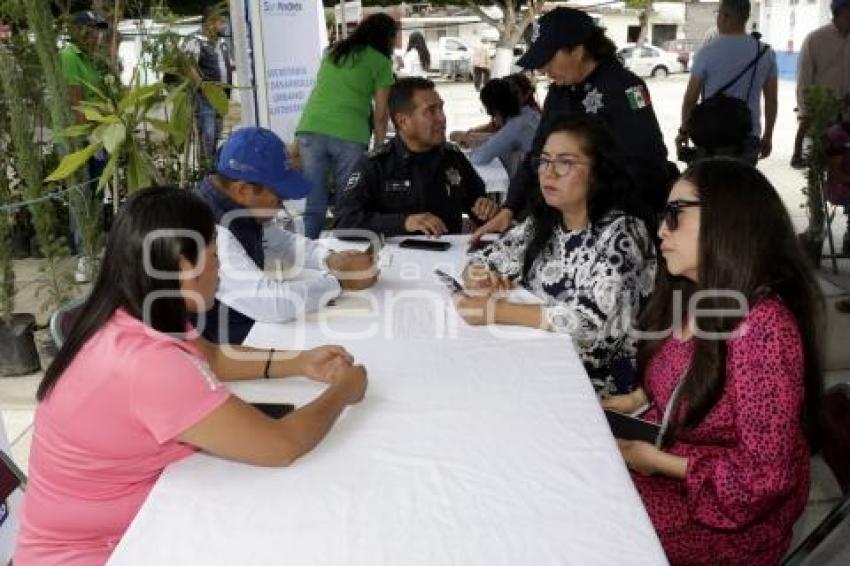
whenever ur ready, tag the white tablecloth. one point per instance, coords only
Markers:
(471, 448)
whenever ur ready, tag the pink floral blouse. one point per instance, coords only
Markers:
(748, 463)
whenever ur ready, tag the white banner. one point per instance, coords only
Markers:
(289, 37)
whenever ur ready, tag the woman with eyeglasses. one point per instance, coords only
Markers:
(584, 251)
(730, 369)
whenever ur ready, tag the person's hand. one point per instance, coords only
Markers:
(477, 277)
(354, 270)
(484, 208)
(350, 380)
(765, 147)
(625, 404)
(640, 456)
(318, 363)
(460, 138)
(426, 223)
(499, 223)
(476, 310)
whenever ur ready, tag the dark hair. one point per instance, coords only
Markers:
(214, 11)
(523, 89)
(400, 98)
(377, 31)
(746, 244)
(498, 97)
(739, 10)
(610, 186)
(599, 46)
(417, 41)
(124, 282)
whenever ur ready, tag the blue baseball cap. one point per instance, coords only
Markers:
(257, 155)
(838, 5)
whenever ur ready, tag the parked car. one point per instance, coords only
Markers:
(452, 57)
(648, 60)
(684, 48)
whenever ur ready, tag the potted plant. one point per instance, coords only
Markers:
(18, 354)
(821, 108)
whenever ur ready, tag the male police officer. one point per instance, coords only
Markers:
(416, 182)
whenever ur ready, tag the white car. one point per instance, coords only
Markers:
(648, 60)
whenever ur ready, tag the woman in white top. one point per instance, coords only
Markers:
(417, 58)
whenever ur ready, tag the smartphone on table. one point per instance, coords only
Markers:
(450, 282)
(430, 245)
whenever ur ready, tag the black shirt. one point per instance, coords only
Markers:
(392, 182)
(621, 101)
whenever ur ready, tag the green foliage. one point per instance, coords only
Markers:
(7, 274)
(822, 108)
(28, 167)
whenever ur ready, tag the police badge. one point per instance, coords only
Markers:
(453, 176)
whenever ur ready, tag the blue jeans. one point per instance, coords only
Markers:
(322, 155)
(95, 166)
(209, 127)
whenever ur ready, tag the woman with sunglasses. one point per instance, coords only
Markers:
(730, 369)
(584, 252)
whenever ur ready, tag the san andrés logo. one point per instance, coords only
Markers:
(273, 7)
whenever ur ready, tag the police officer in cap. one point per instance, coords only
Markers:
(587, 78)
(416, 182)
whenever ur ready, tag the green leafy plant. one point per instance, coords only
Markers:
(822, 107)
(28, 167)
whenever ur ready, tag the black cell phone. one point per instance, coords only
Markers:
(274, 410)
(626, 427)
(431, 245)
(449, 281)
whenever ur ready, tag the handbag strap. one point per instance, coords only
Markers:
(752, 63)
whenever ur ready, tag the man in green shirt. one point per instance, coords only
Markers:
(76, 60)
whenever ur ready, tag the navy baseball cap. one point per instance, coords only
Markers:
(559, 28)
(257, 155)
(89, 19)
(838, 5)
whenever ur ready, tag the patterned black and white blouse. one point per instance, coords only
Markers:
(592, 283)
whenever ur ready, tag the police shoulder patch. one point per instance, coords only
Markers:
(353, 179)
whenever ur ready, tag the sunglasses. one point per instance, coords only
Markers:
(670, 213)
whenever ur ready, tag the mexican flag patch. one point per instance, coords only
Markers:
(638, 97)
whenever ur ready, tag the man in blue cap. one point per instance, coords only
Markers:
(253, 176)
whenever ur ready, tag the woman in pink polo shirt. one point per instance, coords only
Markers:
(134, 389)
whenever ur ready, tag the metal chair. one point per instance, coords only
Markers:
(62, 321)
(836, 453)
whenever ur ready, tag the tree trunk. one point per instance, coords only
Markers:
(510, 28)
(644, 20)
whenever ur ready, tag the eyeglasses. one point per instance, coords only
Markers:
(561, 165)
(670, 213)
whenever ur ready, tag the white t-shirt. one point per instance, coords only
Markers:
(412, 65)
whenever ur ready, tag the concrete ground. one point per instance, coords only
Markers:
(463, 110)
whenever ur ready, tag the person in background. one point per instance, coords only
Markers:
(584, 251)
(84, 71)
(517, 126)
(134, 389)
(416, 182)
(588, 79)
(480, 64)
(738, 392)
(719, 61)
(252, 177)
(417, 58)
(524, 90)
(212, 63)
(333, 133)
(823, 62)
